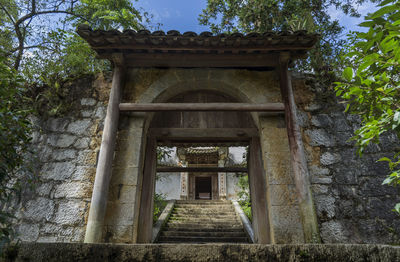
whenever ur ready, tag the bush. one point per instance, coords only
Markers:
(159, 204)
(244, 195)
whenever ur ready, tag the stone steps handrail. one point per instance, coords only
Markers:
(246, 222)
(162, 219)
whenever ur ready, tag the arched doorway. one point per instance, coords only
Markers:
(181, 128)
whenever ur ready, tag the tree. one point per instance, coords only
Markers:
(371, 82)
(39, 47)
(14, 140)
(46, 30)
(267, 15)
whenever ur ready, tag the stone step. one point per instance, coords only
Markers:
(186, 226)
(183, 229)
(232, 220)
(203, 234)
(203, 239)
(208, 209)
(205, 223)
(185, 212)
(203, 202)
(203, 217)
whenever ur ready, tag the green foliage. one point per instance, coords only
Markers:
(371, 82)
(244, 195)
(39, 40)
(14, 140)
(163, 153)
(267, 15)
(159, 204)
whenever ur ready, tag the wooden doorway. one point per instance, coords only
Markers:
(203, 186)
(204, 129)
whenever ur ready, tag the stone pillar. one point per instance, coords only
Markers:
(184, 182)
(94, 228)
(222, 156)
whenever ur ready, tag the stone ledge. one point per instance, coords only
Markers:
(202, 252)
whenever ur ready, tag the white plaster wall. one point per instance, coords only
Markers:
(168, 184)
(232, 188)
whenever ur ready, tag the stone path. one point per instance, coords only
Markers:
(203, 221)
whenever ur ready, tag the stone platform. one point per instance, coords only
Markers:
(61, 252)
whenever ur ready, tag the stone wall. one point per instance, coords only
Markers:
(65, 151)
(351, 203)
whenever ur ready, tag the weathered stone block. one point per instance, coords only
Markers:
(316, 170)
(100, 113)
(28, 232)
(39, 209)
(325, 206)
(82, 143)
(70, 213)
(88, 101)
(57, 124)
(320, 189)
(44, 189)
(79, 127)
(58, 171)
(61, 140)
(329, 158)
(333, 232)
(84, 173)
(319, 137)
(322, 120)
(73, 190)
(66, 154)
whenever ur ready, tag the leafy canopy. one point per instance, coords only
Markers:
(266, 15)
(371, 82)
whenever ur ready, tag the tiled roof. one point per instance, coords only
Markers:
(110, 42)
(198, 151)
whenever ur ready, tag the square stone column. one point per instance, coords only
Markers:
(222, 156)
(184, 182)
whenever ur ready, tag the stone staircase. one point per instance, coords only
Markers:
(203, 221)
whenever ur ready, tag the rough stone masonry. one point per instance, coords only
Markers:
(351, 204)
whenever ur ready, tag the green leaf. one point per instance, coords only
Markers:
(367, 24)
(348, 74)
(383, 10)
(397, 208)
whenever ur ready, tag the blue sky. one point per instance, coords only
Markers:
(182, 15)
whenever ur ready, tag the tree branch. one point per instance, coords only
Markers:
(32, 14)
(7, 13)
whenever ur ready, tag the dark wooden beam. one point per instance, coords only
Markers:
(258, 191)
(234, 134)
(299, 160)
(241, 107)
(135, 46)
(145, 228)
(172, 169)
(206, 60)
(95, 224)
